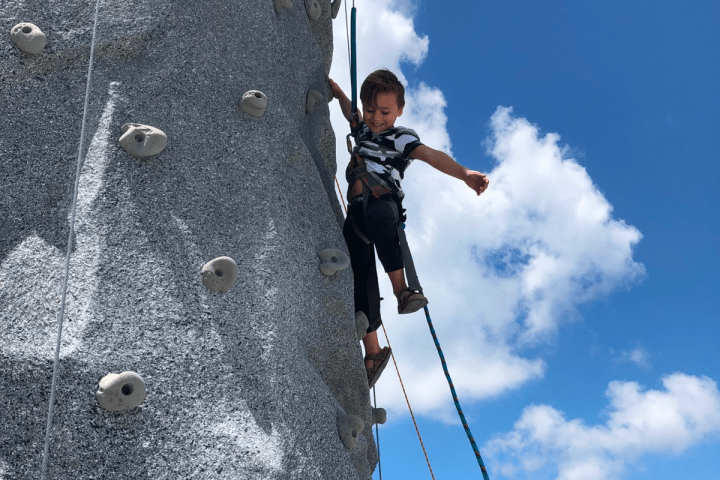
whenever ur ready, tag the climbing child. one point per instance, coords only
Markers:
(378, 163)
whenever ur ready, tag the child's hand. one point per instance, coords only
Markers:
(477, 181)
(336, 90)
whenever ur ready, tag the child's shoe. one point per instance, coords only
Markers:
(410, 301)
(380, 361)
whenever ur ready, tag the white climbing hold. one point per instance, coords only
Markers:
(332, 261)
(361, 324)
(280, 4)
(379, 416)
(120, 392)
(29, 38)
(313, 9)
(349, 427)
(142, 140)
(254, 103)
(314, 98)
(220, 274)
(335, 8)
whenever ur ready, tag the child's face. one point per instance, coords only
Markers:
(382, 115)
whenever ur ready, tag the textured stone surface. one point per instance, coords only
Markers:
(245, 385)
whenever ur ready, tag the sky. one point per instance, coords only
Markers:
(576, 300)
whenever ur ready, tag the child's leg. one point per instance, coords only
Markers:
(372, 346)
(397, 278)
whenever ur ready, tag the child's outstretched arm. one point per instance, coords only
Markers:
(443, 162)
(345, 103)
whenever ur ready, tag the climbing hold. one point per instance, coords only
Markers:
(379, 416)
(313, 9)
(219, 275)
(280, 4)
(120, 392)
(142, 140)
(313, 99)
(332, 261)
(349, 427)
(335, 8)
(29, 38)
(361, 324)
(254, 103)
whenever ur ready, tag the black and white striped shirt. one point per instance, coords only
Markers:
(387, 153)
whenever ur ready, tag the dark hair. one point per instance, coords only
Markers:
(381, 81)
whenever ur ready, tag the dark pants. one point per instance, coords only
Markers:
(379, 224)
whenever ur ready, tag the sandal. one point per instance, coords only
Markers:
(382, 358)
(410, 301)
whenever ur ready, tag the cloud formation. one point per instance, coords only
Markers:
(544, 444)
(503, 270)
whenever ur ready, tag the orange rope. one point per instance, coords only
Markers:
(341, 196)
(408, 403)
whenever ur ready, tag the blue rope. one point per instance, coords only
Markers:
(455, 397)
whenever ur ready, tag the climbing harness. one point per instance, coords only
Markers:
(61, 314)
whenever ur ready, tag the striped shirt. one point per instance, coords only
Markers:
(387, 153)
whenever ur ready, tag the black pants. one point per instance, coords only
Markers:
(379, 224)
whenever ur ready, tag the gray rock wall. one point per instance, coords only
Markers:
(244, 385)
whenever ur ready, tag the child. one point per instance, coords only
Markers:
(382, 154)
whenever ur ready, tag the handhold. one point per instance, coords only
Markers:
(120, 392)
(361, 324)
(349, 427)
(29, 38)
(280, 4)
(142, 140)
(335, 8)
(379, 416)
(332, 261)
(313, 99)
(313, 9)
(254, 102)
(220, 274)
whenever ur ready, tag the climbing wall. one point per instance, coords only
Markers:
(171, 365)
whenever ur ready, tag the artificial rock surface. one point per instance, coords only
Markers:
(247, 384)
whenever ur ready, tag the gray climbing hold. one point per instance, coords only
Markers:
(313, 9)
(349, 427)
(142, 140)
(335, 8)
(314, 98)
(333, 261)
(361, 324)
(254, 103)
(220, 274)
(29, 38)
(120, 392)
(280, 4)
(379, 416)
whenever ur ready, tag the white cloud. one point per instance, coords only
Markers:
(638, 355)
(502, 270)
(543, 444)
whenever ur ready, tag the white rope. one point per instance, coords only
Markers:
(377, 434)
(61, 314)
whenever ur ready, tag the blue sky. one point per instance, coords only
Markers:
(577, 299)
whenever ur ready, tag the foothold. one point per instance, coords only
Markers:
(120, 392)
(29, 38)
(335, 8)
(280, 4)
(220, 274)
(361, 324)
(333, 261)
(254, 103)
(142, 140)
(314, 98)
(379, 416)
(349, 427)
(313, 9)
